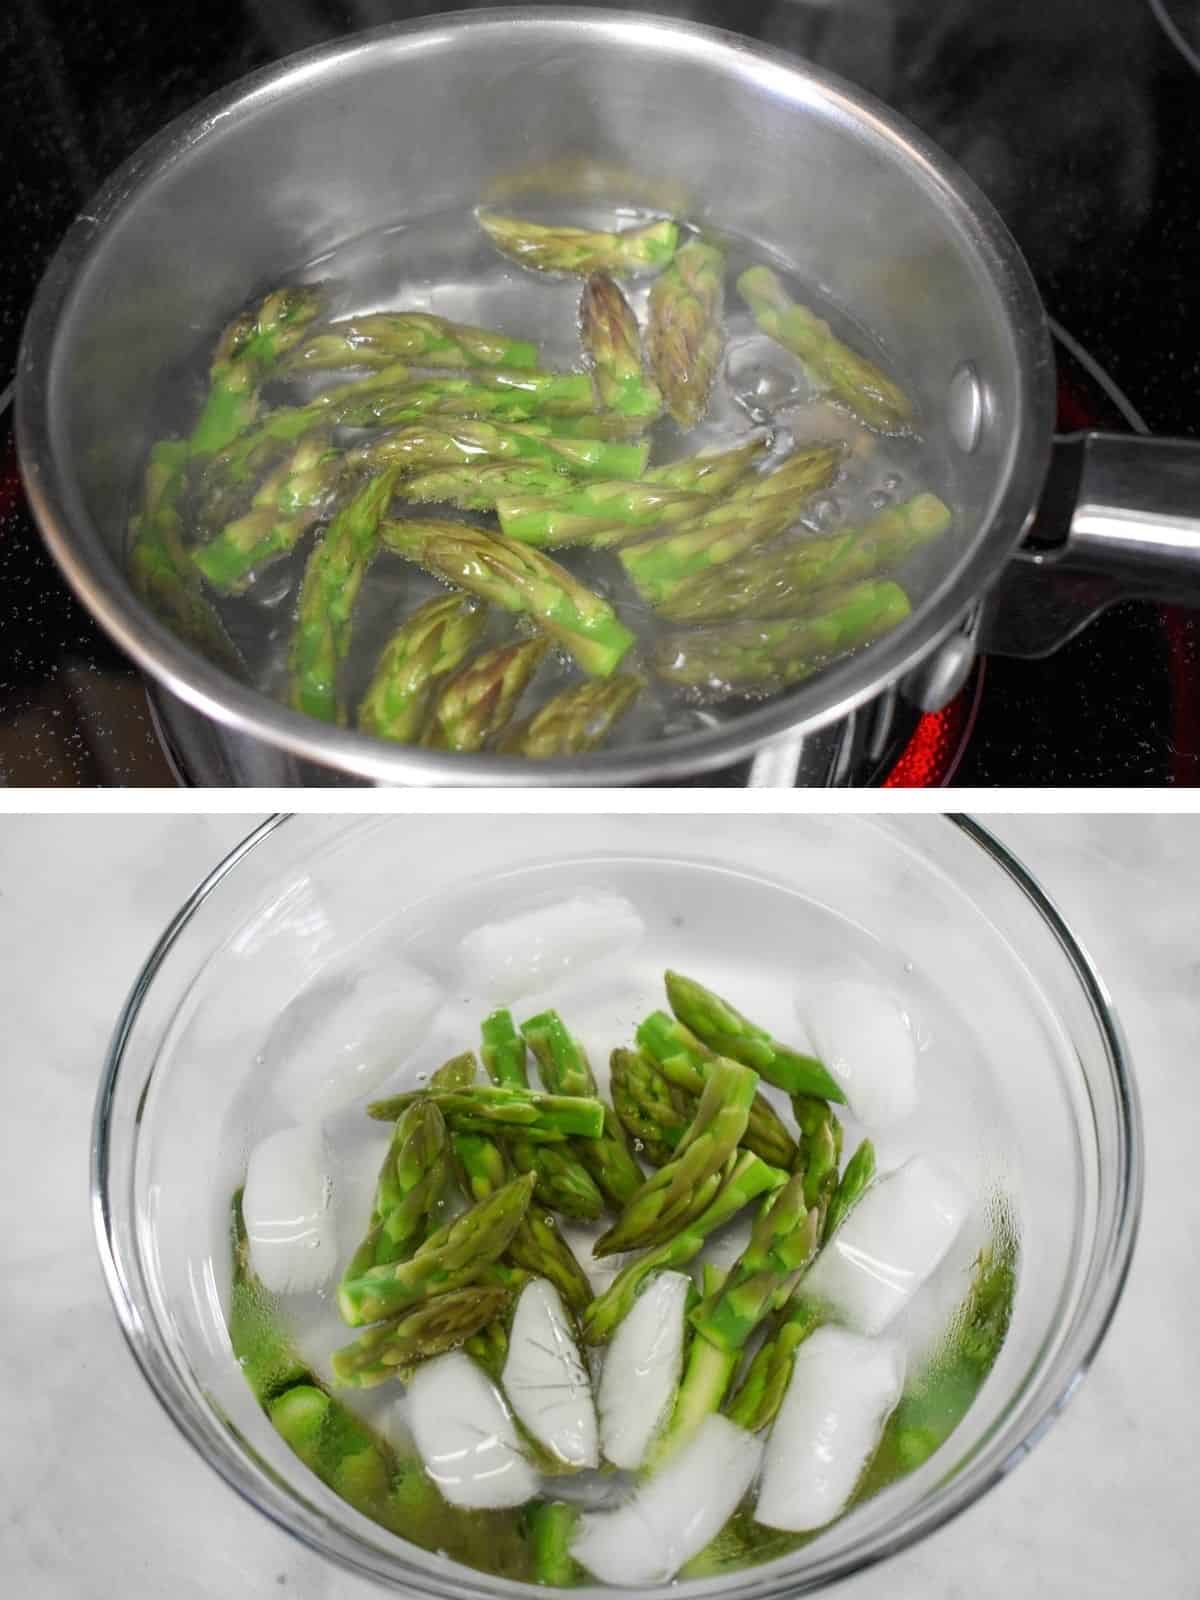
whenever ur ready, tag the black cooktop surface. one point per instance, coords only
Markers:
(1077, 117)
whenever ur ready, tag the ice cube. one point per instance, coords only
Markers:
(546, 1381)
(465, 1435)
(641, 1369)
(285, 1206)
(890, 1243)
(842, 1390)
(536, 949)
(865, 1037)
(671, 1518)
(345, 1049)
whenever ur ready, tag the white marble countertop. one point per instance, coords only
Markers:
(102, 1497)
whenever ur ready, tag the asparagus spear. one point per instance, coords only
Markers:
(733, 657)
(427, 646)
(820, 1149)
(577, 719)
(715, 1022)
(249, 349)
(456, 1255)
(459, 1072)
(550, 1527)
(332, 579)
(759, 508)
(460, 441)
(565, 1069)
(517, 579)
(563, 1181)
(610, 336)
(409, 1191)
(478, 486)
(783, 1242)
(383, 337)
(595, 514)
(686, 337)
(854, 380)
(505, 1110)
(563, 249)
(686, 1063)
(284, 507)
(537, 1246)
(682, 1189)
(507, 396)
(260, 1347)
(655, 1115)
(779, 582)
(860, 1169)
(712, 472)
(745, 1178)
(429, 1329)
(478, 701)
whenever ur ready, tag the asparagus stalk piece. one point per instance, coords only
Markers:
(537, 1246)
(706, 1377)
(480, 485)
(712, 472)
(427, 646)
(550, 1527)
(565, 1069)
(779, 582)
(457, 1254)
(783, 1242)
(518, 579)
(681, 1190)
(504, 1053)
(854, 1181)
(564, 249)
(387, 336)
(459, 1072)
(654, 1114)
(460, 441)
(759, 508)
(723, 1029)
(855, 381)
(610, 336)
(686, 337)
(283, 508)
(820, 1149)
(506, 396)
(745, 1178)
(497, 1109)
(260, 1347)
(250, 348)
(735, 657)
(597, 514)
(332, 579)
(478, 701)
(577, 719)
(687, 1063)
(431, 1328)
(408, 1192)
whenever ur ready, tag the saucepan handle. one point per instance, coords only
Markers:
(1119, 519)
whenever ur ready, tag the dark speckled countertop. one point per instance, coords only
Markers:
(1077, 117)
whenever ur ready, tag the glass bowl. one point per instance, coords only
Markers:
(303, 902)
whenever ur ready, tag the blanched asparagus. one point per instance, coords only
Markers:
(686, 336)
(723, 1029)
(611, 338)
(517, 579)
(576, 719)
(564, 249)
(478, 701)
(783, 1242)
(779, 581)
(682, 1189)
(428, 645)
(820, 1149)
(459, 441)
(745, 1178)
(332, 579)
(260, 1346)
(712, 472)
(250, 348)
(655, 1115)
(478, 486)
(759, 508)
(597, 515)
(457, 1254)
(504, 1052)
(733, 657)
(409, 1191)
(686, 1063)
(537, 1246)
(497, 1109)
(386, 336)
(860, 1169)
(565, 1069)
(855, 381)
(550, 1526)
(283, 508)
(505, 396)
(429, 1329)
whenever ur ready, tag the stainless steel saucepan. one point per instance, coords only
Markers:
(414, 120)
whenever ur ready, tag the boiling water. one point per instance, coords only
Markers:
(762, 946)
(446, 265)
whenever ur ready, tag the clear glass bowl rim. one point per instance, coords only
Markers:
(332, 1542)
